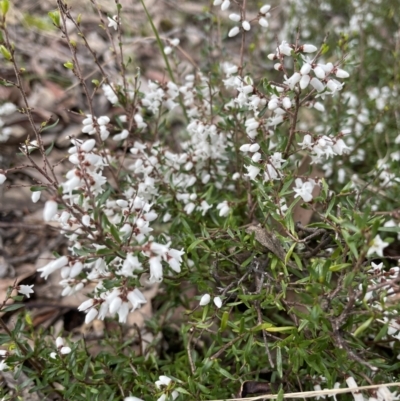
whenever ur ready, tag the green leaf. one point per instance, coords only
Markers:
(55, 17)
(363, 327)
(279, 362)
(194, 245)
(12, 307)
(49, 149)
(224, 321)
(45, 127)
(6, 54)
(280, 394)
(114, 232)
(338, 267)
(289, 254)
(69, 65)
(225, 373)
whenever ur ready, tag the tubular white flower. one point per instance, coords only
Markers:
(305, 69)
(123, 312)
(317, 84)
(136, 298)
(319, 72)
(156, 271)
(2, 178)
(293, 80)
(91, 315)
(88, 145)
(50, 210)
(53, 266)
(252, 172)
(304, 81)
(115, 305)
(341, 73)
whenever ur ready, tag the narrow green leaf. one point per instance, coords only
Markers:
(279, 362)
(12, 307)
(363, 327)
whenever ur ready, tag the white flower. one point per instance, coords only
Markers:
(384, 394)
(93, 312)
(112, 22)
(2, 178)
(293, 80)
(156, 272)
(217, 302)
(50, 210)
(3, 366)
(132, 398)
(26, 290)
(136, 298)
(252, 172)
(307, 142)
(223, 208)
(53, 266)
(351, 383)
(303, 189)
(284, 48)
(317, 84)
(341, 73)
(115, 305)
(377, 246)
(304, 81)
(205, 300)
(319, 72)
(163, 381)
(234, 31)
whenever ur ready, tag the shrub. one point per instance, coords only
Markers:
(251, 192)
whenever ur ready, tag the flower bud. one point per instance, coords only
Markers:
(234, 17)
(233, 32)
(205, 299)
(246, 25)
